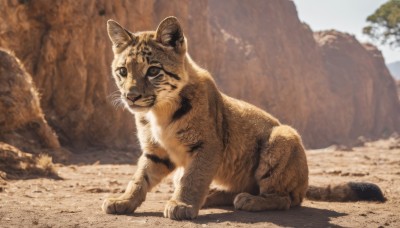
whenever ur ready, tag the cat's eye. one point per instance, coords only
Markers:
(123, 72)
(153, 71)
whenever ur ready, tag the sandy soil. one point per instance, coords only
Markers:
(75, 201)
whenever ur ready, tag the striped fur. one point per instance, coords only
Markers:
(184, 123)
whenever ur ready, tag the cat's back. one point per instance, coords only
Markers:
(244, 116)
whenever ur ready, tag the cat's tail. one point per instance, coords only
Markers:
(351, 191)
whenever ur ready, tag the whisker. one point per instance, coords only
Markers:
(117, 103)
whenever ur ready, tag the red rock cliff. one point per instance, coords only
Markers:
(365, 92)
(258, 51)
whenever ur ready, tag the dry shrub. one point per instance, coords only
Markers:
(45, 162)
(20, 165)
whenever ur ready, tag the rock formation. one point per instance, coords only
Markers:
(364, 90)
(23, 126)
(15, 164)
(258, 51)
(22, 121)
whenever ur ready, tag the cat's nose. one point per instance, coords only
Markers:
(133, 94)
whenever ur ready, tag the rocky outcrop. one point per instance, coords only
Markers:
(15, 164)
(258, 51)
(64, 46)
(266, 56)
(364, 91)
(22, 121)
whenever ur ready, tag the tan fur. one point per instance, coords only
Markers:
(340, 192)
(243, 154)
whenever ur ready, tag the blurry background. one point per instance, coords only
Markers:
(327, 84)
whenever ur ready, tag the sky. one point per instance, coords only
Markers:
(345, 16)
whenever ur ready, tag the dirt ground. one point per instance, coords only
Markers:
(75, 200)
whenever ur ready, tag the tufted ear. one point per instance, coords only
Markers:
(169, 33)
(119, 36)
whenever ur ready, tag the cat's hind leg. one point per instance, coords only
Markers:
(282, 174)
(218, 197)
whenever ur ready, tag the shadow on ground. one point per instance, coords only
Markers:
(295, 217)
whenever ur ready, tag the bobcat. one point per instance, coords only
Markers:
(185, 123)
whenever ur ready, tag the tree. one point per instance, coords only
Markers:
(384, 24)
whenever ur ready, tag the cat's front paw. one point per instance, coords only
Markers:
(180, 211)
(119, 206)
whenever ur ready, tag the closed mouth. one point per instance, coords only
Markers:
(139, 106)
(141, 102)
(135, 99)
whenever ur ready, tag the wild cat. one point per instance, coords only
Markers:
(184, 122)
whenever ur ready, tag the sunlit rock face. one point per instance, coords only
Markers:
(258, 51)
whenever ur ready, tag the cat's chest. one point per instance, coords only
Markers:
(161, 135)
(165, 134)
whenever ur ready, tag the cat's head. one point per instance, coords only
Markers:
(148, 67)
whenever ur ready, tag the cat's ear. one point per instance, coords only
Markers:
(119, 36)
(169, 33)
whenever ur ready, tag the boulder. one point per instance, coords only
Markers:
(22, 122)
